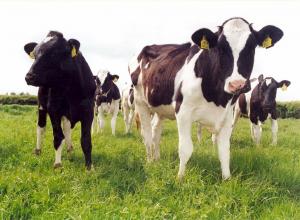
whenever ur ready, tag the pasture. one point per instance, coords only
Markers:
(265, 181)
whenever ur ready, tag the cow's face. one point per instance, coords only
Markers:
(267, 89)
(53, 60)
(106, 81)
(235, 44)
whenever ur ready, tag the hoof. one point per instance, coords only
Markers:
(57, 165)
(180, 178)
(90, 168)
(226, 178)
(70, 149)
(37, 151)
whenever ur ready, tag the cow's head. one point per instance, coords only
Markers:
(53, 60)
(267, 89)
(106, 80)
(234, 44)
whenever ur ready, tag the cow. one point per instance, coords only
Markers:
(107, 99)
(60, 66)
(129, 109)
(260, 104)
(198, 81)
(43, 94)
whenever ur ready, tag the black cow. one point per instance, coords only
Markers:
(259, 104)
(107, 99)
(60, 66)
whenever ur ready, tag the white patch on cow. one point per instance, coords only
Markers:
(237, 32)
(146, 66)
(128, 109)
(274, 131)
(58, 153)
(256, 131)
(40, 136)
(268, 81)
(47, 39)
(66, 125)
(41, 107)
(110, 108)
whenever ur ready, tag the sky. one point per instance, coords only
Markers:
(112, 32)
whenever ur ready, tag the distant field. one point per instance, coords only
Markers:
(265, 182)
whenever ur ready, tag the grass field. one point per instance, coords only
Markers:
(265, 181)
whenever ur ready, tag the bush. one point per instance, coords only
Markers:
(288, 109)
(18, 99)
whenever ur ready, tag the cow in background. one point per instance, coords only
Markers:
(128, 108)
(197, 81)
(260, 104)
(107, 99)
(60, 66)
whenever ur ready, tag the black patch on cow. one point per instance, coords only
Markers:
(164, 61)
(131, 95)
(243, 104)
(178, 98)
(194, 50)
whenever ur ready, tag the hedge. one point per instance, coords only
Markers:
(284, 109)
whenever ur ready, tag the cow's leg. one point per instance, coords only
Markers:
(130, 118)
(184, 123)
(100, 119)
(214, 138)
(86, 141)
(236, 116)
(274, 131)
(199, 131)
(58, 138)
(145, 117)
(137, 120)
(223, 142)
(67, 133)
(40, 131)
(114, 116)
(257, 130)
(126, 118)
(156, 134)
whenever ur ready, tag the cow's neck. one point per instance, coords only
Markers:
(212, 66)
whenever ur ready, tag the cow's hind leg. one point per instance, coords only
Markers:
(156, 133)
(185, 151)
(100, 119)
(40, 131)
(126, 118)
(67, 133)
(146, 132)
(86, 141)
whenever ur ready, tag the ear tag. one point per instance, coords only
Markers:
(204, 43)
(267, 42)
(284, 87)
(73, 52)
(31, 55)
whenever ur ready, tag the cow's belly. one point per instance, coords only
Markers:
(164, 111)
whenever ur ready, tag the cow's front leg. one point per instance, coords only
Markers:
(114, 116)
(146, 131)
(256, 131)
(86, 141)
(184, 124)
(126, 118)
(58, 138)
(40, 131)
(274, 131)
(156, 134)
(67, 133)
(199, 131)
(100, 119)
(223, 142)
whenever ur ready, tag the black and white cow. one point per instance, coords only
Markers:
(260, 104)
(43, 95)
(128, 108)
(197, 81)
(60, 66)
(107, 99)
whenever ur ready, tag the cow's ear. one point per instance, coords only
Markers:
(268, 36)
(74, 44)
(205, 38)
(115, 78)
(283, 84)
(261, 78)
(29, 49)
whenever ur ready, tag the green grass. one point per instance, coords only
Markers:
(265, 182)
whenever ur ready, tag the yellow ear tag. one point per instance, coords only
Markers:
(204, 43)
(283, 87)
(31, 55)
(267, 42)
(73, 52)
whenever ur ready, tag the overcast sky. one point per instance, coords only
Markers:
(111, 32)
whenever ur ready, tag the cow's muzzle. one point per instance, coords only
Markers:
(30, 79)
